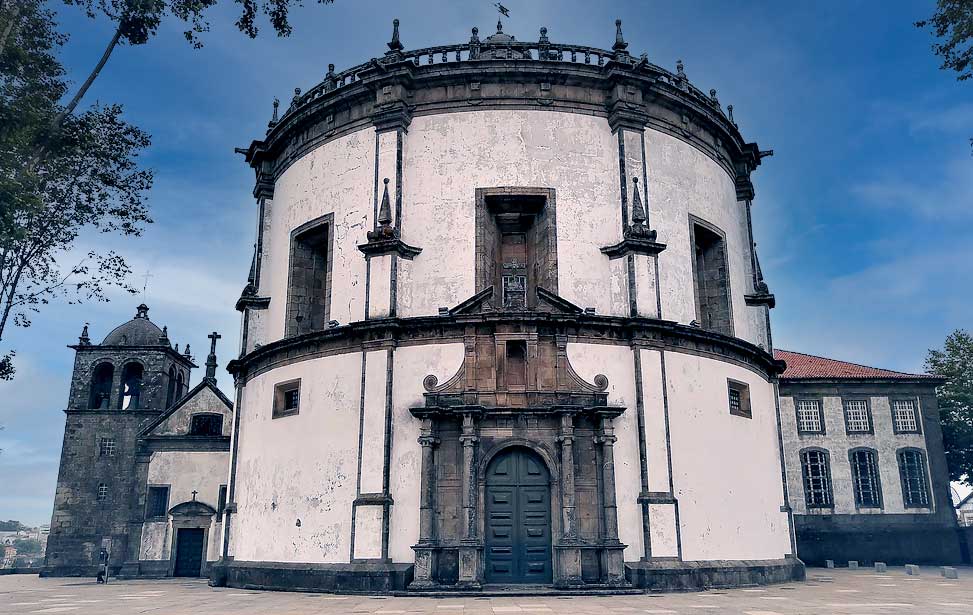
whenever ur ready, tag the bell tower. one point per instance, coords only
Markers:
(117, 387)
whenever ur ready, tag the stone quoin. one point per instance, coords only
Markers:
(505, 324)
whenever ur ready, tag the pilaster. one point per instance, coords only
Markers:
(471, 545)
(568, 552)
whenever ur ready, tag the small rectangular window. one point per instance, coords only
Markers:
(102, 493)
(912, 471)
(904, 419)
(221, 503)
(809, 417)
(107, 447)
(287, 398)
(157, 503)
(206, 425)
(739, 398)
(857, 417)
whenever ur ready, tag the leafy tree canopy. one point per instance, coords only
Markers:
(955, 363)
(952, 24)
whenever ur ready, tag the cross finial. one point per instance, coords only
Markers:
(211, 358)
(194, 495)
(145, 282)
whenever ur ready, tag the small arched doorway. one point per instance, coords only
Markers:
(518, 518)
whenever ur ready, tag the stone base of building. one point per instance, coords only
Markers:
(357, 578)
(874, 538)
(674, 575)
(75, 571)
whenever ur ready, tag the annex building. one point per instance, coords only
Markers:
(505, 324)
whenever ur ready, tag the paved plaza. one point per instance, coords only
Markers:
(840, 591)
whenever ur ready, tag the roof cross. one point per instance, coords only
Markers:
(194, 495)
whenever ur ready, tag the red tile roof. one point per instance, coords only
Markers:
(801, 366)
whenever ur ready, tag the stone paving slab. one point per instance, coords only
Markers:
(832, 591)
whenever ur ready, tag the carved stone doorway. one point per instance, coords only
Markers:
(518, 519)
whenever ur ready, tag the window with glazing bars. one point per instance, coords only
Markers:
(809, 416)
(912, 470)
(856, 416)
(904, 415)
(107, 447)
(864, 474)
(102, 492)
(817, 479)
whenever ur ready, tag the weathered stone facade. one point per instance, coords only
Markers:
(121, 390)
(866, 516)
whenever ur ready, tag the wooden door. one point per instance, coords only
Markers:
(518, 519)
(189, 552)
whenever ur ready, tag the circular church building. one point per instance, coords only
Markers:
(505, 325)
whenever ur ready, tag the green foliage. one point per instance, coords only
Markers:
(139, 20)
(27, 546)
(952, 24)
(87, 180)
(955, 363)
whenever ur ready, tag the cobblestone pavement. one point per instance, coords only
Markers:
(840, 591)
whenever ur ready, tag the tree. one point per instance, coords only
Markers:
(952, 23)
(27, 546)
(57, 183)
(63, 173)
(955, 363)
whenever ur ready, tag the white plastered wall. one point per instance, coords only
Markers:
(617, 363)
(448, 156)
(300, 467)
(411, 365)
(184, 472)
(726, 468)
(683, 181)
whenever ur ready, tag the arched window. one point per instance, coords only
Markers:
(865, 479)
(817, 478)
(206, 425)
(912, 471)
(131, 386)
(101, 381)
(180, 386)
(171, 388)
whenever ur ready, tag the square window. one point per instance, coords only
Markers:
(809, 417)
(287, 398)
(738, 394)
(904, 418)
(157, 503)
(857, 417)
(102, 492)
(107, 447)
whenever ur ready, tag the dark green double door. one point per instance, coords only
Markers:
(518, 519)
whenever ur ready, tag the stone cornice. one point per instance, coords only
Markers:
(134, 351)
(451, 328)
(631, 95)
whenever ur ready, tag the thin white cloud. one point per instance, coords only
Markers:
(946, 196)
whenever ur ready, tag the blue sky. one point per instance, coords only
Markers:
(864, 216)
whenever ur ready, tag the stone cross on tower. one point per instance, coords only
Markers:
(211, 359)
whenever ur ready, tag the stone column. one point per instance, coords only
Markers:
(568, 573)
(425, 550)
(470, 543)
(612, 564)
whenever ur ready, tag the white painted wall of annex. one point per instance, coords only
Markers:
(838, 443)
(184, 472)
(299, 467)
(726, 468)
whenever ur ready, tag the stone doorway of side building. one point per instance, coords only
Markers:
(518, 519)
(189, 552)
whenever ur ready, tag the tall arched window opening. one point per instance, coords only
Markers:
(171, 388)
(131, 386)
(101, 381)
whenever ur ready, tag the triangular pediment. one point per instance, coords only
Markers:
(204, 398)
